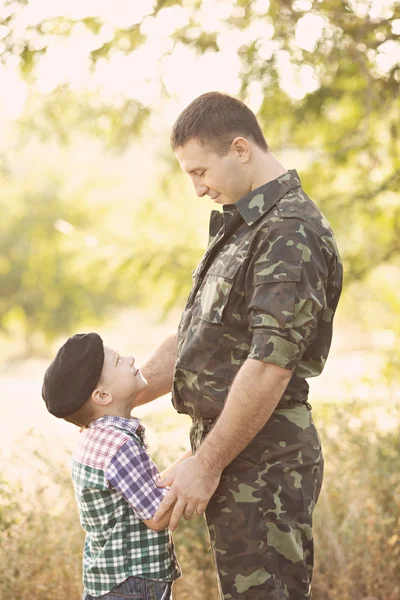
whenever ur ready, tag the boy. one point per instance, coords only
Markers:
(126, 553)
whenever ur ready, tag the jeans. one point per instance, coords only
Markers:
(137, 588)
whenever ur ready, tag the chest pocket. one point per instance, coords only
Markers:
(213, 295)
(273, 292)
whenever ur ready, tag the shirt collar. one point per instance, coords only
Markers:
(133, 425)
(257, 203)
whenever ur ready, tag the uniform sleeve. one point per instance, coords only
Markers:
(131, 473)
(286, 291)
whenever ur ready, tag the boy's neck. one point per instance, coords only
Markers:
(114, 412)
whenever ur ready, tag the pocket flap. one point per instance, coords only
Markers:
(274, 271)
(227, 269)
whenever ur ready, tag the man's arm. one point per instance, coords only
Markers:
(159, 371)
(254, 396)
(252, 399)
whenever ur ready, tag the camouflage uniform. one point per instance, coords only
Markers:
(267, 289)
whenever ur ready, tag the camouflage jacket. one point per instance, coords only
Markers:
(266, 288)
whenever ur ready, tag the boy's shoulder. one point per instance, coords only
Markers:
(103, 439)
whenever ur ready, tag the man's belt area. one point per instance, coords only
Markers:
(209, 407)
(207, 424)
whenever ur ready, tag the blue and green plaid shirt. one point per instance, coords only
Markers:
(113, 477)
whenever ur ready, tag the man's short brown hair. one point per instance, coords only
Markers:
(215, 119)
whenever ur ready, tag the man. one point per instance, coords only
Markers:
(257, 323)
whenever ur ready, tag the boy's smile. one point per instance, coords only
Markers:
(120, 377)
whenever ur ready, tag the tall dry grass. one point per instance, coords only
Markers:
(357, 521)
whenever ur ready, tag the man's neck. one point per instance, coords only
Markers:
(266, 168)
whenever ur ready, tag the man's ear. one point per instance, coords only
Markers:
(101, 397)
(242, 148)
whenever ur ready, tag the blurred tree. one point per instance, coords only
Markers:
(324, 76)
(53, 275)
(345, 53)
(168, 243)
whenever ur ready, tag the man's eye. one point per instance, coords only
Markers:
(201, 174)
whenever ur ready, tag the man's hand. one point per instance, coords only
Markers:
(191, 486)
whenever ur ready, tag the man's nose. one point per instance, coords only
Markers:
(131, 360)
(201, 190)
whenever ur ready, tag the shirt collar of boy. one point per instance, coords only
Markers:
(131, 424)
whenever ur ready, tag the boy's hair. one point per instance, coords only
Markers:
(215, 119)
(85, 414)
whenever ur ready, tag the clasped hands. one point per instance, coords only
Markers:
(191, 485)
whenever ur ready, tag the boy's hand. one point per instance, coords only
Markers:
(168, 471)
(191, 486)
(171, 469)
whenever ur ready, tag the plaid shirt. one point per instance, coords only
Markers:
(113, 477)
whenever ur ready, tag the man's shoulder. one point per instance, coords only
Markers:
(295, 224)
(293, 209)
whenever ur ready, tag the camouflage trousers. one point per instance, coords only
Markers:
(260, 517)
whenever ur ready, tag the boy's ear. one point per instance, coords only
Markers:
(101, 397)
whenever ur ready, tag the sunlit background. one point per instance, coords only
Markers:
(100, 231)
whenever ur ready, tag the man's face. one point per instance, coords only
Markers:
(120, 377)
(219, 177)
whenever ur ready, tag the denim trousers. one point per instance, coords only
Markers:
(137, 588)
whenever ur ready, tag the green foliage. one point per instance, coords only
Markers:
(348, 125)
(345, 124)
(52, 277)
(167, 247)
(64, 112)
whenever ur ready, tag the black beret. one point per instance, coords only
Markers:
(73, 374)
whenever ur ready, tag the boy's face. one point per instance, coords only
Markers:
(120, 377)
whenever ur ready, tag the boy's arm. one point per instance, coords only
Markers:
(131, 472)
(159, 371)
(180, 458)
(159, 525)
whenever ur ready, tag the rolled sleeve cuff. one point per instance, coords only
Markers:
(275, 349)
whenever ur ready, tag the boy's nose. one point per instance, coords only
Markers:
(131, 360)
